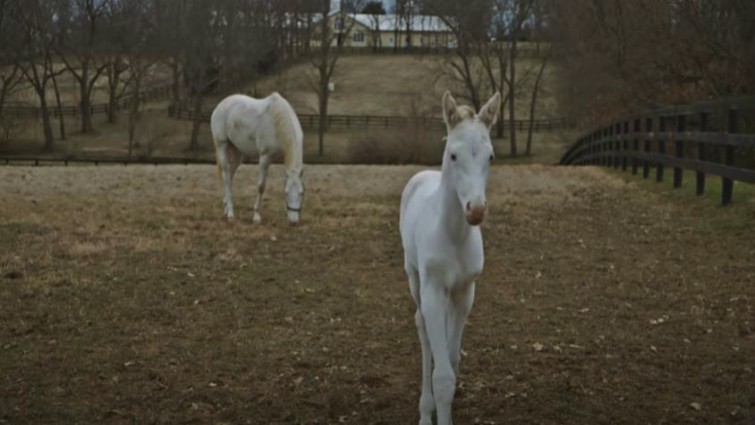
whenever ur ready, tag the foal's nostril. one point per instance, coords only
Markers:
(469, 206)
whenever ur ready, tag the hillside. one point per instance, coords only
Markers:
(396, 84)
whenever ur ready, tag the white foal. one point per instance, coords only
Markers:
(242, 124)
(443, 255)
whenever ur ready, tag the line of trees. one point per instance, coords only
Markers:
(614, 56)
(488, 33)
(620, 56)
(117, 43)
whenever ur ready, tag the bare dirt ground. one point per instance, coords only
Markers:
(127, 300)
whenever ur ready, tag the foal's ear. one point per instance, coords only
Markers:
(489, 113)
(450, 111)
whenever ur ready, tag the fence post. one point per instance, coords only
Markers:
(603, 148)
(700, 176)
(681, 123)
(646, 151)
(617, 146)
(727, 185)
(636, 145)
(661, 149)
(625, 146)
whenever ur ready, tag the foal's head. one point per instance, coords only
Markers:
(294, 188)
(469, 152)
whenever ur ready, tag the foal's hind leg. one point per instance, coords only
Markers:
(261, 179)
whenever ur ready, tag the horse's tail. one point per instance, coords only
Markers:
(219, 169)
(287, 128)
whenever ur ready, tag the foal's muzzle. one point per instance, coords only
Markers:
(476, 213)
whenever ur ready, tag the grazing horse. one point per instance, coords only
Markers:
(443, 255)
(241, 124)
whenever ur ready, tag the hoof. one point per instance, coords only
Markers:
(257, 218)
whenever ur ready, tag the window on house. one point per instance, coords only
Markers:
(358, 37)
(338, 24)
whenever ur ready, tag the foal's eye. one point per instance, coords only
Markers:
(492, 157)
(453, 157)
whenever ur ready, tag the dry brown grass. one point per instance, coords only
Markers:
(126, 299)
(385, 84)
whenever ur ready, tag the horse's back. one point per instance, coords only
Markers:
(224, 113)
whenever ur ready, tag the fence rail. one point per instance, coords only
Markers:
(157, 92)
(708, 138)
(386, 121)
(51, 160)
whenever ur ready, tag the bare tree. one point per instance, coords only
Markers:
(621, 55)
(405, 12)
(468, 22)
(78, 50)
(10, 43)
(133, 41)
(521, 12)
(377, 14)
(539, 14)
(332, 31)
(220, 41)
(35, 21)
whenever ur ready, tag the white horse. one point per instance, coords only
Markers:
(241, 124)
(443, 255)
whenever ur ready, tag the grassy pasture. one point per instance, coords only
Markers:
(126, 299)
(397, 85)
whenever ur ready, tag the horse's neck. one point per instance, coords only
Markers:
(452, 217)
(292, 157)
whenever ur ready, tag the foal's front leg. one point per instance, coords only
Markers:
(261, 179)
(462, 304)
(436, 306)
(426, 400)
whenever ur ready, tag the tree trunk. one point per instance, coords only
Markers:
(196, 122)
(499, 124)
(176, 87)
(322, 127)
(59, 106)
(114, 78)
(535, 89)
(512, 93)
(133, 115)
(46, 123)
(9, 81)
(85, 102)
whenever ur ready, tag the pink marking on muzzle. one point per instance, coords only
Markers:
(476, 214)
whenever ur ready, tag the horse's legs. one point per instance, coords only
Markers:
(234, 159)
(462, 305)
(426, 401)
(225, 168)
(261, 179)
(435, 307)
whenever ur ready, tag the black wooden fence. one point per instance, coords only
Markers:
(715, 137)
(154, 93)
(342, 122)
